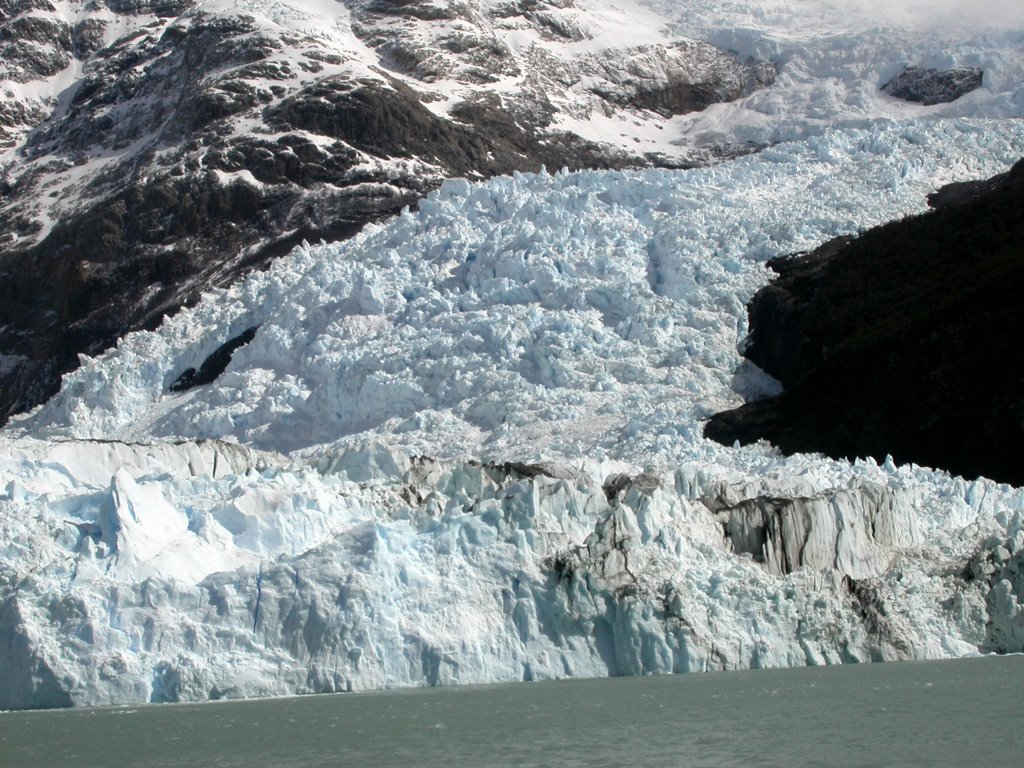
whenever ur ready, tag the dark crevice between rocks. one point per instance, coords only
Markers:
(903, 341)
(214, 365)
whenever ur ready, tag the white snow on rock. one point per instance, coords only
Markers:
(833, 56)
(465, 446)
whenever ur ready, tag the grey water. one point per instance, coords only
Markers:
(948, 713)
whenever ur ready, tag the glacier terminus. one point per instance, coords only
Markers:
(464, 447)
(464, 444)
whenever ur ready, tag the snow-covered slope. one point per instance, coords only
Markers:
(465, 446)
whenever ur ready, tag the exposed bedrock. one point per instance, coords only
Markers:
(934, 86)
(901, 341)
(214, 364)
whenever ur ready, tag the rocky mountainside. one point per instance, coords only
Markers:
(901, 341)
(157, 149)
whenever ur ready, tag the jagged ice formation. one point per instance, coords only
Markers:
(465, 446)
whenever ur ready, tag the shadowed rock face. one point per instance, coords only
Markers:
(934, 86)
(902, 341)
(193, 146)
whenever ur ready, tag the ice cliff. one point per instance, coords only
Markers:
(465, 446)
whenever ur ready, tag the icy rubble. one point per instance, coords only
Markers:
(465, 447)
(589, 314)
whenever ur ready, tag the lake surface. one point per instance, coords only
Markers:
(947, 713)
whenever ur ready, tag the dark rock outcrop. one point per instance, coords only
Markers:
(214, 365)
(903, 341)
(962, 192)
(934, 86)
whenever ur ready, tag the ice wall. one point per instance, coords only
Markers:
(369, 569)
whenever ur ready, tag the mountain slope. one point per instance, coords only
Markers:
(186, 143)
(900, 342)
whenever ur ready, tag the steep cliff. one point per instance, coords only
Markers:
(898, 342)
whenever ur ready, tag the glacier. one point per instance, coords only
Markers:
(465, 446)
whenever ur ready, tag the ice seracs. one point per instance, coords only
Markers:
(152, 150)
(419, 572)
(465, 446)
(586, 314)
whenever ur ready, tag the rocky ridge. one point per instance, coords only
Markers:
(156, 150)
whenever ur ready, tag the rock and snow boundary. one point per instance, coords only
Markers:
(465, 446)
